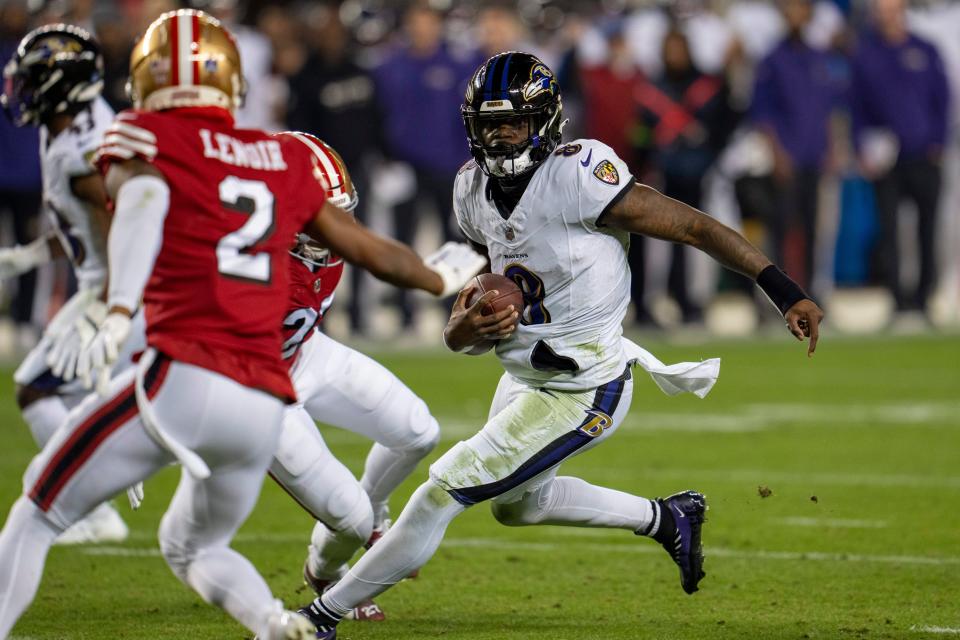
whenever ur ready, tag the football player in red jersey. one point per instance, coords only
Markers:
(346, 389)
(203, 217)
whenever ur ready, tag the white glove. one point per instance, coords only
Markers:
(455, 263)
(97, 357)
(135, 495)
(67, 345)
(23, 258)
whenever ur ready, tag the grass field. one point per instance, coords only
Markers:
(860, 538)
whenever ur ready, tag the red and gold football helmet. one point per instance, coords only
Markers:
(330, 169)
(186, 58)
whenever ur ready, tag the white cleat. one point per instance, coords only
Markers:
(289, 625)
(103, 524)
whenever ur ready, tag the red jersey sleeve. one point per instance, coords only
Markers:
(132, 135)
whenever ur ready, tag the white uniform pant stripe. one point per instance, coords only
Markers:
(185, 39)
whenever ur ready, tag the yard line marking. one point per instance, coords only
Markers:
(929, 629)
(605, 547)
(754, 417)
(755, 476)
(712, 551)
(747, 418)
(838, 523)
(122, 552)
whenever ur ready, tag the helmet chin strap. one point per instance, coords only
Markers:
(505, 167)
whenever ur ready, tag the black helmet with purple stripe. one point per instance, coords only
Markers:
(513, 86)
(56, 69)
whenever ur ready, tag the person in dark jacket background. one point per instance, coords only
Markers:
(797, 90)
(900, 102)
(334, 98)
(420, 88)
(687, 120)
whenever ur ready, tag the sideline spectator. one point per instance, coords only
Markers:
(333, 98)
(797, 89)
(420, 89)
(900, 104)
(610, 115)
(687, 120)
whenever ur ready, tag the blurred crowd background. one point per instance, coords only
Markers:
(827, 130)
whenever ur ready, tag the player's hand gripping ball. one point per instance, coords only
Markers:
(508, 293)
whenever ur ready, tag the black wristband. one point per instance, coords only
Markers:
(782, 291)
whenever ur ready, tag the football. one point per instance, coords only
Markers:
(510, 293)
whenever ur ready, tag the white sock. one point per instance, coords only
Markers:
(24, 543)
(383, 472)
(573, 502)
(407, 546)
(44, 416)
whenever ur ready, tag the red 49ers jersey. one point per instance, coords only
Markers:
(218, 291)
(311, 294)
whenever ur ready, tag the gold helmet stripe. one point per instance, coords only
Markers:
(327, 165)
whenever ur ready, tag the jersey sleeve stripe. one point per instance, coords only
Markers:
(133, 131)
(113, 152)
(328, 167)
(148, 151)
(185, 39)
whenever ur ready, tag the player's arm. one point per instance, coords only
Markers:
(141, 199)
(468, 330)
(90, 190)
(72, 330)
(646, 211)
(442, 273)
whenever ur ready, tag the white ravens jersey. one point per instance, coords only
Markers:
(574, 275)
(63, 157)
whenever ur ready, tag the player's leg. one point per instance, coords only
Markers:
(325, 488)
(407, 546)
(41, 406)
(344, 388)
(523, 423)
(102, 450)
(235, 430)
(675, 522)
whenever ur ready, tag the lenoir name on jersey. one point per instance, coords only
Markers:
(264, 154)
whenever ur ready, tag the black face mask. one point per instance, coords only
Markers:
(506, 192)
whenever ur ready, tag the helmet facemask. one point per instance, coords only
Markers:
(309, 251)
(504, 160)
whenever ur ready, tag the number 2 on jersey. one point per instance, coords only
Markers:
(531, 286)
(234, 258)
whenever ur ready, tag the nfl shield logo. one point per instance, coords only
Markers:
(509, 233)
(316, 285)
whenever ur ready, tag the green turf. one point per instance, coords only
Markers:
(860, 538)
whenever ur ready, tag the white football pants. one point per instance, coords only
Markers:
(341, 387)
(513, 461)
(104, 449)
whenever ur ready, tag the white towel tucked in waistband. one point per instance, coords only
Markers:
(697, 378)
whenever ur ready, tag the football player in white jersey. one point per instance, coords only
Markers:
(556, 220)
(54, 81)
